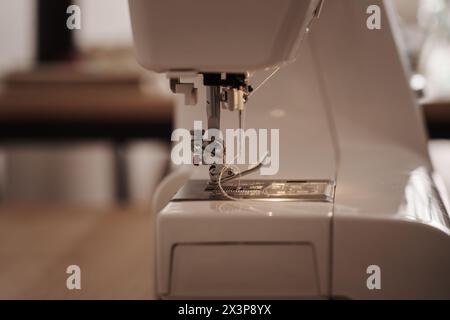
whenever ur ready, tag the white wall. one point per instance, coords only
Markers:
(17, 30)
(105, 23)
(68, 173)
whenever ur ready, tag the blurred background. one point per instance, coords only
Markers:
(84, 141)
(80, 122)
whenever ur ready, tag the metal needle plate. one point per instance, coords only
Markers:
(268, 190)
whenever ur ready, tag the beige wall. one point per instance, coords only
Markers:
(17, 31)
(105, 23)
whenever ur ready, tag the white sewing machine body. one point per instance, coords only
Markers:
(346, 116)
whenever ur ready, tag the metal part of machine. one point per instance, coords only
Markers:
(263, 190)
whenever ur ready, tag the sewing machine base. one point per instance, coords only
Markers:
(244, 249)
(302, 249)
(266, 190)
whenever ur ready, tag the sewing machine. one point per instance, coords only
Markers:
(353, 209)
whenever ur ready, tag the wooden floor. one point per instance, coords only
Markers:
(114, 249)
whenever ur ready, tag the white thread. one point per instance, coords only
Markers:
(242, 126)
(264, 81)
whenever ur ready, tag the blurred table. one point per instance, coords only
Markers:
(115, 252)
(73, 102)
(60, 102)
